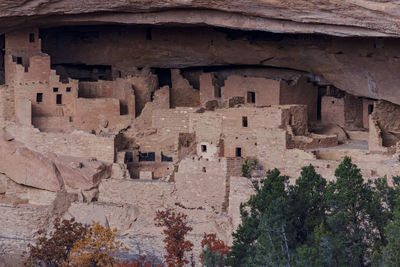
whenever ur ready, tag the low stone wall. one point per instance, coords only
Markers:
(18, 225)
(312, 141)
(241, 188)
(157, 194)
(204, 184)
(77, 143)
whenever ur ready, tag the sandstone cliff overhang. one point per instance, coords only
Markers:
(340, 18)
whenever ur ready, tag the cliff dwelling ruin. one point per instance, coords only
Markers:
(120, 119)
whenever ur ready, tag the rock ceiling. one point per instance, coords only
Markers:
(363, 66)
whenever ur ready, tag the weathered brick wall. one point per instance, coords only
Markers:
(157, 194)
(300, 93)
(366, 104)
(207, 89)
(353, 112)
(23, 111)
(18, 44)
(78, 144)
(241, 188)
(160, 101)
(121, 89)
(96, 89)
(386, 115)
(202, 183)
(182, 93)
(143, 87)
(7, 103)
(296, 117)
(258, 118)
(173, 120)
(207, 126)
(19, 225)
(267, 91)
(92, 113)
(332, 110)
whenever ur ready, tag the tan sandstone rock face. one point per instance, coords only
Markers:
(27, 167)
(79, 173)
(363, 17)
(49, 171)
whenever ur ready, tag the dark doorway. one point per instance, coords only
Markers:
(59, 99)
(164, 77)
(128, 157)
(244, 122)
(370, 109)
(251, 97)
(238, 152)
(31, 37)
(39, 97)
(203, 148)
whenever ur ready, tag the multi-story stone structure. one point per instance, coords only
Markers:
(120, 140)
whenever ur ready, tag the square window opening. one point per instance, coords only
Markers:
(150, 156)
(55, 89)
(238, 152)
(39, 97)
(203, 148)
(19, 60)
(68, 89)
(31, 37)
(128, 157)
(59, 99)
(244, 122)
(251, 97)
(166, 158)
(370, 109)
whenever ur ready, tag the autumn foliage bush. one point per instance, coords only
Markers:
(98, 248)
(175, 244)
(214, 251)
(53, 248)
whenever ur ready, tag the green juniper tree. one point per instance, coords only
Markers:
(278, 218)
(391, 252)
(354, 222)
(348, 222)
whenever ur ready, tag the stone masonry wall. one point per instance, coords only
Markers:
(387, 116)
(172, 120)
(332, 110)
(266, 90)
(92, 113)
(7, 103)
(301, 93)
(78, 144)
(182, 93)
(203, 184)
(157, 194)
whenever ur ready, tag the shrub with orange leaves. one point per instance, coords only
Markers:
(175, 244)
(214, 251)
(53, 248)
(99, 248)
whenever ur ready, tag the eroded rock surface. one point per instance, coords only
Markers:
(366, 18)
(27, 167)
(49, 171)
